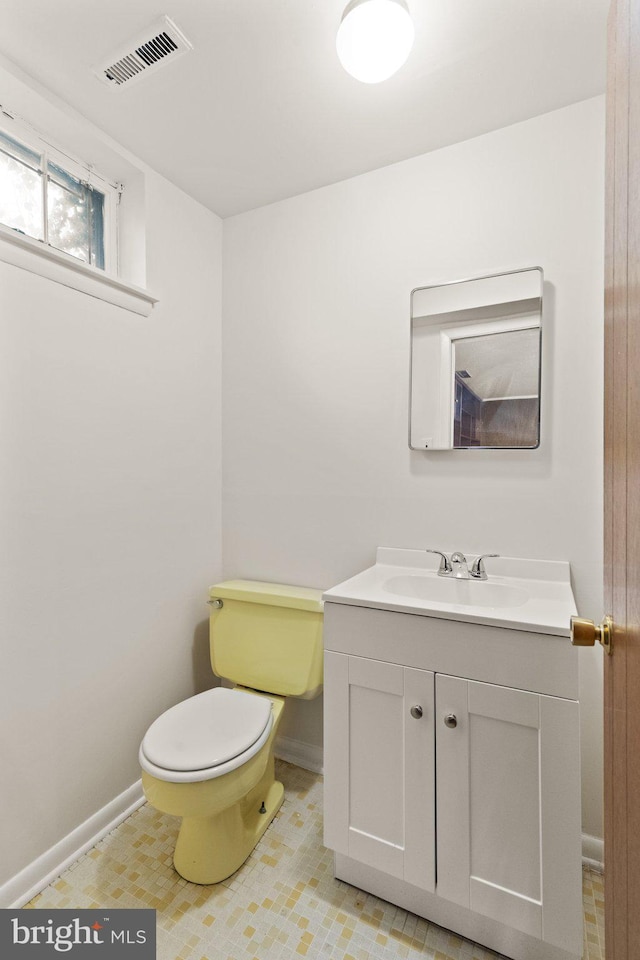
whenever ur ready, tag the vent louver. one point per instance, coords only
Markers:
(161, 43)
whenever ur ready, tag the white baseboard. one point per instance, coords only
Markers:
(593, 852)
(305, 755)
(37, 875)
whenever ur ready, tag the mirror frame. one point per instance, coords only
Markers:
(450, 283)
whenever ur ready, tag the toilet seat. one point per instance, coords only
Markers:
(206, 736)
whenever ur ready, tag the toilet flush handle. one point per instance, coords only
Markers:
(216, 603)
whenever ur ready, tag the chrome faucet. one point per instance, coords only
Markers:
(457, 567)
(459, 564)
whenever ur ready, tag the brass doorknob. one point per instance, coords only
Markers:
(584, 633)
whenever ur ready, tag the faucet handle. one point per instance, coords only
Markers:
(445, 567)
(477, 570)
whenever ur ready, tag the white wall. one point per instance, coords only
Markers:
(110, 510)
(316, 469)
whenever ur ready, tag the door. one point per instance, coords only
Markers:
(508, 807)
(622, 485)
(379, 766)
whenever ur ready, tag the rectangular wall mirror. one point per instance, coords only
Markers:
(475, 363)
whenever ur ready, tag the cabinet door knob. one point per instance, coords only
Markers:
(416, 712)
(451, 720)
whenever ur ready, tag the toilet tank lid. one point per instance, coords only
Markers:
(272, 594)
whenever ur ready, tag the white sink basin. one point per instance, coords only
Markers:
(519, 594)
(474, 593)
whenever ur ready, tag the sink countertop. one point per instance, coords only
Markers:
(519, 594)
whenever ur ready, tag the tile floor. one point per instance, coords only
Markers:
(283, 903)
(593, 907)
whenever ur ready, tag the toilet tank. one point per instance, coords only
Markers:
(267, 636)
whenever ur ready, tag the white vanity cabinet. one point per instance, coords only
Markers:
(372, 742)
(452, 780)
(508, 804)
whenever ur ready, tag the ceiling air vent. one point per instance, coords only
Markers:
(159, 44)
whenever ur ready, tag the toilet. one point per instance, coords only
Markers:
(209, 759)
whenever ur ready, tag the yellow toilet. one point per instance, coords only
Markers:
(209, 759)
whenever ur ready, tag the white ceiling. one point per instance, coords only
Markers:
(261, 108)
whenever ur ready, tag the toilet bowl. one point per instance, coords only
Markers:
(209, 759)
(230, 795)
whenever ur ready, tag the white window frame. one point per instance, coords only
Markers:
(40, 257)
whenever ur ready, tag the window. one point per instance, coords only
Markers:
(60, 220)
(56, 200)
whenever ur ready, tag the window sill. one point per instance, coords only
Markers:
(30, 254)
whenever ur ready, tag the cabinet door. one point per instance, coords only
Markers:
(508, 807)
(379, 766)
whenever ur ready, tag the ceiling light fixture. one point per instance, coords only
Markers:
(374, 38)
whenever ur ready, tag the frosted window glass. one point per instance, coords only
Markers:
(20, 188)
(75, 214)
